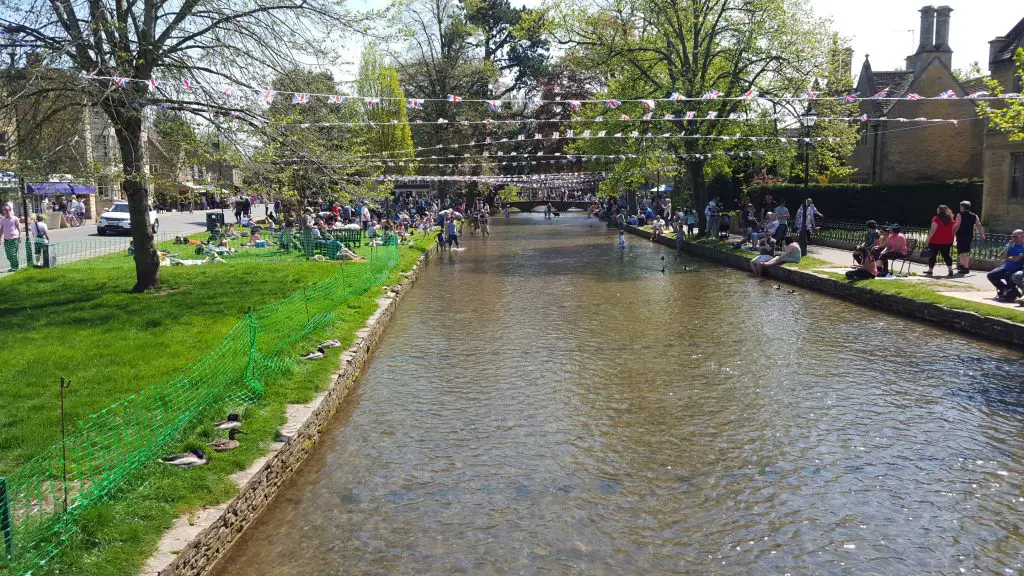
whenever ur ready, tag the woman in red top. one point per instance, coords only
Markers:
(940, 239)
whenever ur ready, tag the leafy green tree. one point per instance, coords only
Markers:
(209, 43)
(390, 130)
(653, 48)
(1007, 117)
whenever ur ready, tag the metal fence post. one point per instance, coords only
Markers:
(5, 518)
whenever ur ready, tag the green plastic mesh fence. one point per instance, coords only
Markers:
(106, 448)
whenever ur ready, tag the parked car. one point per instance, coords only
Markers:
(117, 220)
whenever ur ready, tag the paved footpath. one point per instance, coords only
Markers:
(975, 286)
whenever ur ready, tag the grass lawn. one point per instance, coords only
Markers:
(921, 293)
(80, 322)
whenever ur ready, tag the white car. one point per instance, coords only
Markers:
(117, 219)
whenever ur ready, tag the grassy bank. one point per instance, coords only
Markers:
(78, 321)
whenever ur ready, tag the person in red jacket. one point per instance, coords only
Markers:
(940, 239)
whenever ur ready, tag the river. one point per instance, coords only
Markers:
(544, 403)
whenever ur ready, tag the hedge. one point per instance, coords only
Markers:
(910, 204)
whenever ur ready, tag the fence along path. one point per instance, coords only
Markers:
(43, 507)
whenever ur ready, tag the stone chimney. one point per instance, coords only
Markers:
(927, 29)
(994, 48)
(942, 28)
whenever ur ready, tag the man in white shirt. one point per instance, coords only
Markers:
(41, 241)
(364, 216)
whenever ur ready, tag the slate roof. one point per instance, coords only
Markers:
(894, 83)
(1014, 38)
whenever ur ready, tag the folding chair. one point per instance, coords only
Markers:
(905, 261)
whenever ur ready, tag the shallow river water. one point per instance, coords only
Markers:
(544, 403)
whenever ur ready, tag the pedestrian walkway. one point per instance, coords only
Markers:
(974, 287)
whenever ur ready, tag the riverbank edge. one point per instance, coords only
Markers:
(198, 540)
(991, 329)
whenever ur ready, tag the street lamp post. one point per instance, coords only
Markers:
(807, 119)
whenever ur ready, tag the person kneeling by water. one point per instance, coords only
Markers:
(790, 255)
(866, 268)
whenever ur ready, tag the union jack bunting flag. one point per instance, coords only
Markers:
(712, 115)
(634, 133)
(623, 117)
(494, 105)
(912, 96)
(599, 119)
(612, 103)
(711, 94)
(570, 133)
(335, 99)
(648, 104)
(809, 95)
(879, 95)
(454, 98)
(850, 98)
(748, 94)
(418, 121)
(676, 97)
(586, 134)
(976, 95)
(863, 118)
(300, 98)
(521, 137)
(186, 84)
(947, 95)
(669, 117)
(538, 136)
(227, 90)
(647, 116)
(574, 104)
(268, 96)
(691, 115)
(602, 133)
(153, 85)
(372, 101)
(555, 135)
(121, 82)
(441, 121)
(414, 103)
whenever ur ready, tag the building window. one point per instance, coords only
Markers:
(3, 145)
(102, 150)
(1017, 176)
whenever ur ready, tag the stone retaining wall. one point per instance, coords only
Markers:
(206, 547)
(995, 329)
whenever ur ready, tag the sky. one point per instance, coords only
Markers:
(888, 30)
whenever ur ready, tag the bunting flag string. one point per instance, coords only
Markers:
(534, 159)
(190, 84)
(649, 117)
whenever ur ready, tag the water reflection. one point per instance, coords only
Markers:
(546, 403)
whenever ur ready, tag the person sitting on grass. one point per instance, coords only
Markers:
(1002, 276)
(866, 268)
(895, 248)
(656, 225)
(790, 255)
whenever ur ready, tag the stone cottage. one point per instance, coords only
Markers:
(911, 151)
(1003, 206)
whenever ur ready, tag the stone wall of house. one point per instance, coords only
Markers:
(203, 551)
(932, 152)
(999, 211)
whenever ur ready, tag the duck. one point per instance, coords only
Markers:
(791, 291)
(229, 443)
(330, 344)
(232, 422)
(315, 355)
(777, 286)
(190, 459)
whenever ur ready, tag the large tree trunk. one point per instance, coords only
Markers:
(127, 124)
(700, 191)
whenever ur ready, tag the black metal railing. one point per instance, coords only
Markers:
(849, 235)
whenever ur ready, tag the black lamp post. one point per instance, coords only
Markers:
(807, 119)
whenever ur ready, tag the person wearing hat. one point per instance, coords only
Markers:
(896, 249)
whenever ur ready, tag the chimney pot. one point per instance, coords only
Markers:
(942, 27)
(927, 28)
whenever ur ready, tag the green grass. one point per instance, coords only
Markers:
(79, 321)
(920, 293)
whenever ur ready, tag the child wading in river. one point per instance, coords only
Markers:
(622, 240)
